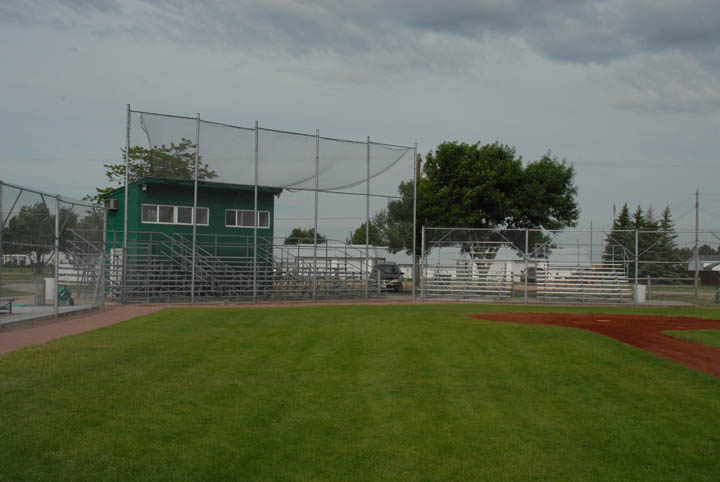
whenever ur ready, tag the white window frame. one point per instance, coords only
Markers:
(257, 218)
(175, 214)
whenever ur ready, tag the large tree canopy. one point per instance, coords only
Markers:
(176, 161)
(474, 186)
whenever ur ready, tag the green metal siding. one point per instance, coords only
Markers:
(217, 200)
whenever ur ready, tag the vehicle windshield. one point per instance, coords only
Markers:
(388, 268)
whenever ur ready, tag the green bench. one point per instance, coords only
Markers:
(6, 304)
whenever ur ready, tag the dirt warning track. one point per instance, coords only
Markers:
(642, 331)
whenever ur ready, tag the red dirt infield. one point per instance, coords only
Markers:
(642, 331)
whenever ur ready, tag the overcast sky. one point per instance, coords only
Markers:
(627, 91)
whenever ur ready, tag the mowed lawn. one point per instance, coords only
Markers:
(352, 393)
(706, 337)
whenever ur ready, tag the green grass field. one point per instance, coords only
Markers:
(353, 393)
(706, 337)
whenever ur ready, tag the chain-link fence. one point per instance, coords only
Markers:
(51, 253)
(601, 265)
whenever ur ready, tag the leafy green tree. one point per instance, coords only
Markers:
(90, 227)
(304, 236)
(375, 235)
(396, 221)
(176, 161)
(706, 250)
(32, 232)
(484, 186)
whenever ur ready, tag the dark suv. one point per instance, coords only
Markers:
(390, 276)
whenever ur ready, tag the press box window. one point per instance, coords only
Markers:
(149, 213)
(202, 216)
(184, 215)
(161, 214)
(166, 214)
(240, 218)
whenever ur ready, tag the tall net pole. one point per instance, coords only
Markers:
(255, 212)
(367, 217)
(194, 215)
(697, 242)
(315, 224)
(57, 256)
(125, 208)
(416, 173)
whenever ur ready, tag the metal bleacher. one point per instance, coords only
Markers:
(604, 282)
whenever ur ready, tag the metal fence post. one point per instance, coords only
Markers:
(57, 256)
(527, 271)
(125, 209)
(416, 168)
(315, 233)
(101, 288)
(194, 212)
(367, 212)
(256, 215)
(696, 281)
(637, 255)
(423, 262)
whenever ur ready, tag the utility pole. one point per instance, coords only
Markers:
(697, 240)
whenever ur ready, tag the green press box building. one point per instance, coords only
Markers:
(160, 226)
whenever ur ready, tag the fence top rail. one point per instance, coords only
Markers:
(603, 230)
(59, 197)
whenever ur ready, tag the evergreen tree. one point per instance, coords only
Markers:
(620, 243)
(658, 254)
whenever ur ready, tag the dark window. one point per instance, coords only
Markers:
(184, 215)
(202, 216)
(166, 214)
(247, 219)
(230, 217)
(149, 213)
(264, 219)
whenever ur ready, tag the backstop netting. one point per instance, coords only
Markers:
(320, 184)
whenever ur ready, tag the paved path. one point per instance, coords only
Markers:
(18, 336)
